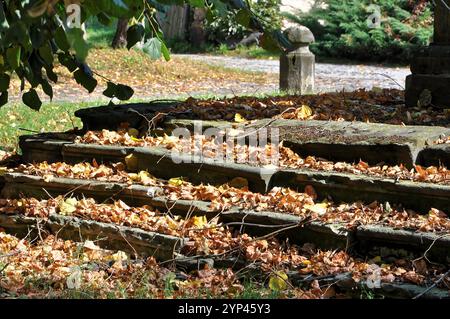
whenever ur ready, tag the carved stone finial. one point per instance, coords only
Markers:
(299, 35)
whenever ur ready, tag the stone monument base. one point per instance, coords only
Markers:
(430, 69)
(438, 85)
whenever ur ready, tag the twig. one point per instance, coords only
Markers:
(135, 252)
(151, 123)
(391, 78)
(38, 221)
(74, 189)
(424, 256)
(433, 285)
(27, 130)
(4, 267)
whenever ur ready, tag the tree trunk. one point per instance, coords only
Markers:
(120, 38)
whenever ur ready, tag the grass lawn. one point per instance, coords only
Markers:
(252, 52)
(16, 119)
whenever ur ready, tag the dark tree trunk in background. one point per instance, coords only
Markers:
(120, 38)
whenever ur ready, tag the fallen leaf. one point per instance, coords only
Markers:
(238, 118)
(304, 112)
(133, 132)
(132, 162)
(238, 182)
(320, 208)
(278, 281)
(176, 181)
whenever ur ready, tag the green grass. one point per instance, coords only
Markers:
(99, 35)
(252, 52)
(17, 119)
(252, 290)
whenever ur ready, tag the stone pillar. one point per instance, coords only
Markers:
(429, 83)
(297, 66)
(175, 22)
(197, 33)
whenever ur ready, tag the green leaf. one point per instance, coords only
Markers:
(197, 3)
(13, 57)
(4, 82)
(45, 52)
(87, 81)
(68, 61)
(124, 92)
(153, 48)
(165, 51)
(61, 39)
(50, 74)
(220, 8)
(135, 34)
(110, 90)
(32, 100)
(243, 17)
(47, 88)
(3, 98)
(269, 43)
(75, 36)
(4, 25)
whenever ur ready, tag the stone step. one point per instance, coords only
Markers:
(108, 236)
(299, 230)
(166, 250)
(345, 187)
(345, 282)
(110, 117)
(435, 155)
(373, 143)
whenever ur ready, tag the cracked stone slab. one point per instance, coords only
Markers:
(342, 141)
(351, 141)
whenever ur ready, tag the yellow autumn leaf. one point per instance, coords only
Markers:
(145, 177)
(3, 170)
(68, 206)
(134, 177)
(176, 181)
(135, 139)
(238, 118)
(278, 281)
(304, 112)
(199, 221)
(320, 208)
(133, 132)
(377, 259)
(132, 162)
(172, 223)
(119, 256)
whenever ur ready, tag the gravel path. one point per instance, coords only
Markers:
(329, 77)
